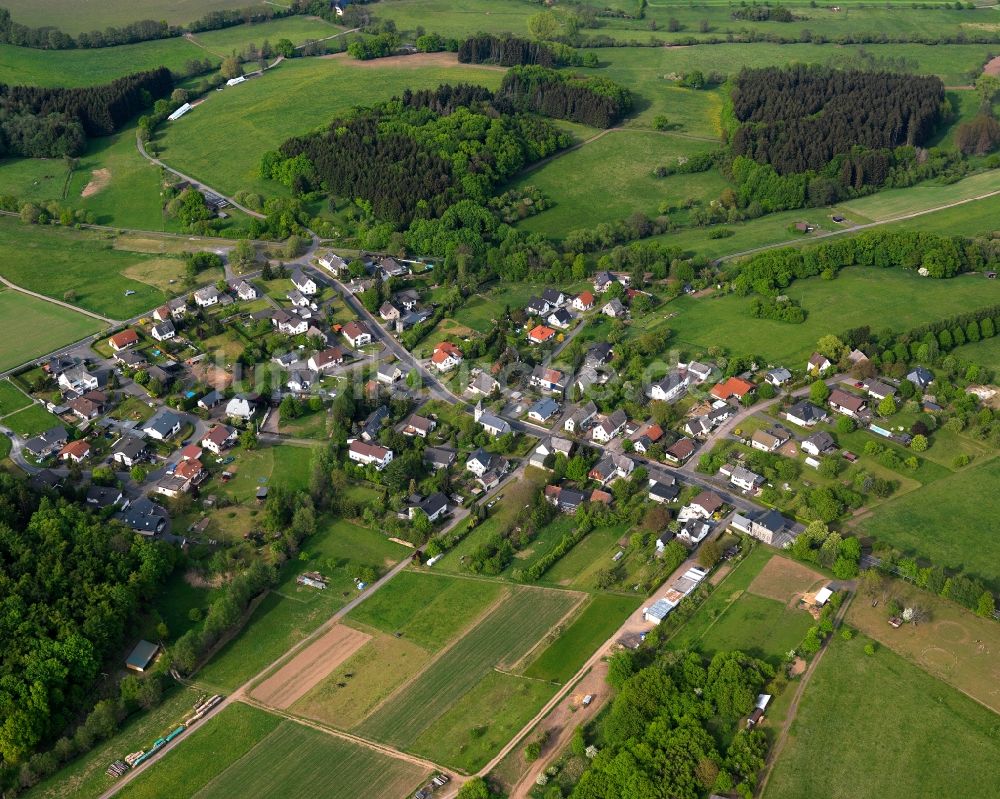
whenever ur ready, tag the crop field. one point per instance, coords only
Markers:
(570, 648)
(51, 327)
(909, 734)
(611, 177)
(960, 504)
(498, 641)
(296, 97)
(82, 17)
(855, 297)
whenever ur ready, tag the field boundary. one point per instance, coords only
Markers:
(544, 642)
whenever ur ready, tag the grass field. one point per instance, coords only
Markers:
(569, 650)
(51, 327)
(949, 522)
(879, 727)
(78, 18)
(498, 641)
(281, 465)
(985, 353)
(578, 568)
(11, 397)
(31, 421)
(292, 99)
(617, 168)
(297, 29)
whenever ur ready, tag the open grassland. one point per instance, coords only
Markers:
(297, 29)
(855, 297)
(893, 203)
(84, 777)
(950, 522)
(498, 641)
(85, 17)
(281, 465)
(294, 98)
(985, 352)
(877, 726)
(955, 645)
(213, 748)
(612, 177)
(31, 421)
(11, 397)
(30, 327)
(572, 645)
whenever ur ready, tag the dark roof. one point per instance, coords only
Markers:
(144, 516)
(439, 456)
(484, 457)
(130, 446)
(551, 295)
(806, 411)
(771, 520)
(142, 655)
(659, 489)
(434, 503)
(599, 353)
(103, 496)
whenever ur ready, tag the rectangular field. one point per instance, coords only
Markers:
(81, 17)
(31, 421)
(50, 326)
(11, 397)
(498, 641)
(877, 727)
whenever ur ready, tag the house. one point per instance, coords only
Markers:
(163, 331)
(144, 517)
(856, 356)
(390, 267)
(372, 425)
(130, 358)
(669, 388)
(388, 373)
(663, 492)
(298, 299)
(123, 340)
(389, 312)
(45, 480)
(554, 297)
(768, 526)
(550, 446)
(545, 379)
(733, 388)
(846, 404)
(543, 410)
(162, 313)
(446, 356)
(206, 297)
(47, 443)
(481, 461)
(699, 427)
(246, 291)
(304, 283)
(878, 390)
(609, 427)
(611, 467)
(75, 451)
(219, 439)
(805, 414)
(242, 406)
(679, 451)
(326, 360)
(128, 451)
(584, 301)
(614, 309)
(412, 319)
(604, 280)
(580, 417)
(439, 457)
(191, 470)
(566, 499)
(407, 299)
(693, 531)
(435, 506)
(291, 324)
(743, 478)
(210, 400)
(492, 478)
(360, 285)
(369, 454)
(647, 438)
(317, 336)
(178, 307)
(79, 379)
(301, 380)
(818, 443)
(778, 377)
(560, 318)
(86, 409)
(483, 385)
(769, 440)
(536, 306)
(599, 355)
(539, 334)
(162, 425)
(698, 372)
(332, 261)
(817, 364)
(706, 504)
(493, 425)
(920, 377)
(357, 333)
(418, 426)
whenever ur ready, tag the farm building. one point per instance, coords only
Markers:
(142, 656)
(312, 579)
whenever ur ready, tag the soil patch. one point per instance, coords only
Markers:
(195, 580)
(992, 66)
(100, 178)
(783, 579)
(798, 667)
(308, 668)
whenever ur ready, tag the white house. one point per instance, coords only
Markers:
(493, 425)
(326, 360)
(163, 425)
(79, 379)
(246, 291)
(609, 427)
(301, 380)
(219, 438)
(240, 407)
(580, 417)
(357, 334)
(207, 296)
(304, 283)
(670, 387)
(818, 364)
(388, 373)
(481, 462)
(164, 331)
(369, 454)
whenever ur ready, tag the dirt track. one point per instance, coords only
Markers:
(298, 676)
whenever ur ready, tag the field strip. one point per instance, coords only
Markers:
(54, 301)
(310, 666)
(542, 643)
(265, 740)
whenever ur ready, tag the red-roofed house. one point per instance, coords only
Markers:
(75, 451)
(584, 301)
(446, 356)
(219, 438)
(190, 453)
(123, 340)
(540, 334)
(733, 387)
(357, 334)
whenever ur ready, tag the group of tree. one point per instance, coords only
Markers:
(595, 101)
(798, 118)
(42, 122)
(512, 51)
(755, 12)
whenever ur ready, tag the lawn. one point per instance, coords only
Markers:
(617, 170)
(11, 397)
(498, 641)
(855, 297)
(949, 522)
(292, 99)
(878, 727)
(51, 327)
(280, 465)
(31, 421)
(569, 650)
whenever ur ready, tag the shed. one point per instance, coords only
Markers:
(823, 595)
(142, 656)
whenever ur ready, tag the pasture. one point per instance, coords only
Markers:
(51, 327)
(294, 98)
(985, 353)
(877, 726)
(497, 642)
(950, 522)
(79, 18)
(297, 29)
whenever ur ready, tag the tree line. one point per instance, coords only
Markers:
(513, 51)
(594, 101)
(42, 122)
(798, 118)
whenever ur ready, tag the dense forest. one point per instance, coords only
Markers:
(512, 51)
(71, 583)
(598, 102)
(416, 156)
(39, 122)
(799, 118)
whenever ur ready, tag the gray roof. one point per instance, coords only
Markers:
(439, 456)
(434, 503)
(163, 422)
(545, 408)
